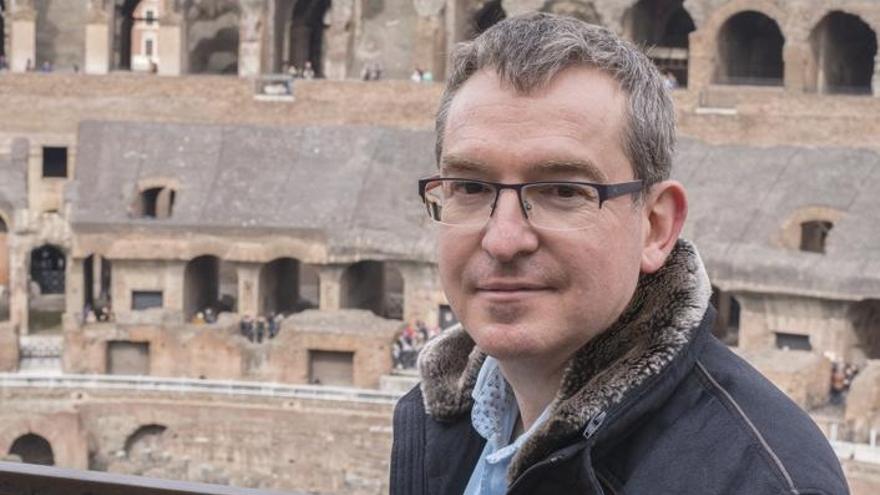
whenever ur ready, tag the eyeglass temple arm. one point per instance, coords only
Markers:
(611, 191)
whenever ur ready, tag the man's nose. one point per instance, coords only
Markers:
(508, 233)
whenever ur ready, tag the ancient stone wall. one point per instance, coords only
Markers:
(316, 446)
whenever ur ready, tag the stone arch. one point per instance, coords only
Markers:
(280, 286)
(663, 28)
(301, 36)
(212, 34)
(749, 50)
(47, 268)
(583, 10)
(865, 318)
(33, 449)
(843, 48)
(144, 441)
(155, 202)
(374, 285)
(807, 228)
(136, 34)
(60, 34)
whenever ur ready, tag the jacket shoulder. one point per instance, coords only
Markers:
(773, 427)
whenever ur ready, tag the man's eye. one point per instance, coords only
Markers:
(564, 191)
(469, 188)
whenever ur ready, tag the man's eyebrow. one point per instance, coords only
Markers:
(582, 168)
(454, 164)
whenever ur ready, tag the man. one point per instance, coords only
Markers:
(584, 363)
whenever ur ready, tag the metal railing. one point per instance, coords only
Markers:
(30, 479)
(189, 385)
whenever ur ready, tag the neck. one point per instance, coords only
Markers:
(534, 386)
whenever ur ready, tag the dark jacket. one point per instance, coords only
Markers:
(654, 405)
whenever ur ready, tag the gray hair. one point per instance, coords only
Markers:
(527, 51)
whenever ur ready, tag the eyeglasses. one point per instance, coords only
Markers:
(558, 205)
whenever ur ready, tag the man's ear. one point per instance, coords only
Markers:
(665, 211)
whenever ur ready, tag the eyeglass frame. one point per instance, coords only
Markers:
(606, 191)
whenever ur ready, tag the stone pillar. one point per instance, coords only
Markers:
(754, 332)
(330, 282)
(430, 42)
(701, 60)
(19, 262)
(875, 81)
(794, 56)
(172, 44)
(339, 41)
(248, 289)
(8, 347)
(250, 46)
(421, 288)
(74, 287)
(98, 39)
(23, 39)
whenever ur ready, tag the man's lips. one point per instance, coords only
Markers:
(510, 289)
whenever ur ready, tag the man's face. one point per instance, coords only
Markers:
(525, 293)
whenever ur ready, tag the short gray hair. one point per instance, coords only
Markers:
(527, 51)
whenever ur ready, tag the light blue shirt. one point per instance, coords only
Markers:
(494, 416)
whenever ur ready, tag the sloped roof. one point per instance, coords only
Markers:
(355, 187)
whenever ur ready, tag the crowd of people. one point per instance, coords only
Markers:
(842, 376)
(405, 350)
(260, 328)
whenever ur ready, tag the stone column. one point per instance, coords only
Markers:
(172, 44)
(249, 289)
(98, 39)
(339, 41)
(701, 60)
(19, 262)
(421, 289)
(875, 81)
(23, 39)
(330, 282)
(74, 287)
(754, 332)
(794, 56)
(250, 46)
(430, 42)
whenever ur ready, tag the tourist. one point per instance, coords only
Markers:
(308, 71)
(585, 360)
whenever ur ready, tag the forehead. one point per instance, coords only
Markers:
(575, 120)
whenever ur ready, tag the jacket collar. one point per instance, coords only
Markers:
(654, 329)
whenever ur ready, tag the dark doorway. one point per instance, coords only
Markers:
(727, 316)
(97, 277)
(374, 285)
(844, 48)
(201, 285)
(306, 35)
(33, 449)
(490, 14)
(814, 234)
(865, 317)
(47, 269)
(3, 30)
(663, 28)
(750, 51)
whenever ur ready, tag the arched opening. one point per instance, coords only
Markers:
(750, 51)
(287, 286)
(146, 443)
(844, 48)
(814, 234)
(584, 11)
(201, 286)
(156, 202)
(33, 449)
(726, 326)
(47, 285)
(137, 34)
(302, 40)
(374, 285)
(212, 35)
(60, 35)
(865, 317)
(97, 302)
(663, 28)
(487, 16)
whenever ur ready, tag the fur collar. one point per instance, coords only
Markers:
(659, 321)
